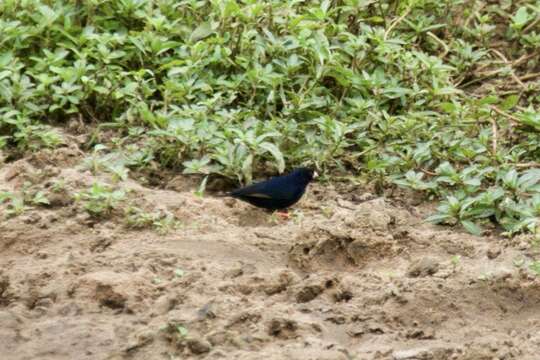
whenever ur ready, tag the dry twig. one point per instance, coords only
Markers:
(513, 74)
(440, 42)
(531, 164)
(430, 173)
(512, 118)
(495, 136)
(529, 76)
(396, 22)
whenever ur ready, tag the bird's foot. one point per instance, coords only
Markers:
(283, 215)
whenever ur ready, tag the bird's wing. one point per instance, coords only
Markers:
(283, 187)
(255, 190)
(258, 195)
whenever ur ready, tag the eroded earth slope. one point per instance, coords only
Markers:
(348, 276)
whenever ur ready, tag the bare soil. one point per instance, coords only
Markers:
(348, 276)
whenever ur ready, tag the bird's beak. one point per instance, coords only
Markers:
(315, 174)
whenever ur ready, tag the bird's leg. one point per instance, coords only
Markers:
(283, 214)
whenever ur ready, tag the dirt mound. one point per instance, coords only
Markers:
(346, 277)
(348, 238)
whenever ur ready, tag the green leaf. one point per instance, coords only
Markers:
(179, 272)
(247, 168)
(448, 107)
(530, 118)
(471, 227)
(510, 179)
(231, 8)
(182, 331)
(4, 74)
(521, 17)
(488, 100)
(179, 70)
(40, 198)
(535, 267)
(47, 13)
(276, 153)
(438, 218)
(325, 5)
(509, 102)
(473, 182)
(202, 31)
(529, 178)
(202, 187)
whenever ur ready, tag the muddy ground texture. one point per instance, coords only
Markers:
(348, 276)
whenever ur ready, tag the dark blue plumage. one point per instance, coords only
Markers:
(276, 193)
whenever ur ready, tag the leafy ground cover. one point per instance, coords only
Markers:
(438, 97)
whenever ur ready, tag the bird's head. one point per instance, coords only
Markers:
(306, 174)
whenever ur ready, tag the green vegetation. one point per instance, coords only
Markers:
(100, 199)
(436, 96)
(18, 203)
(161, 221)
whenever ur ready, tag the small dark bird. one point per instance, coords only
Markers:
(277, 193)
